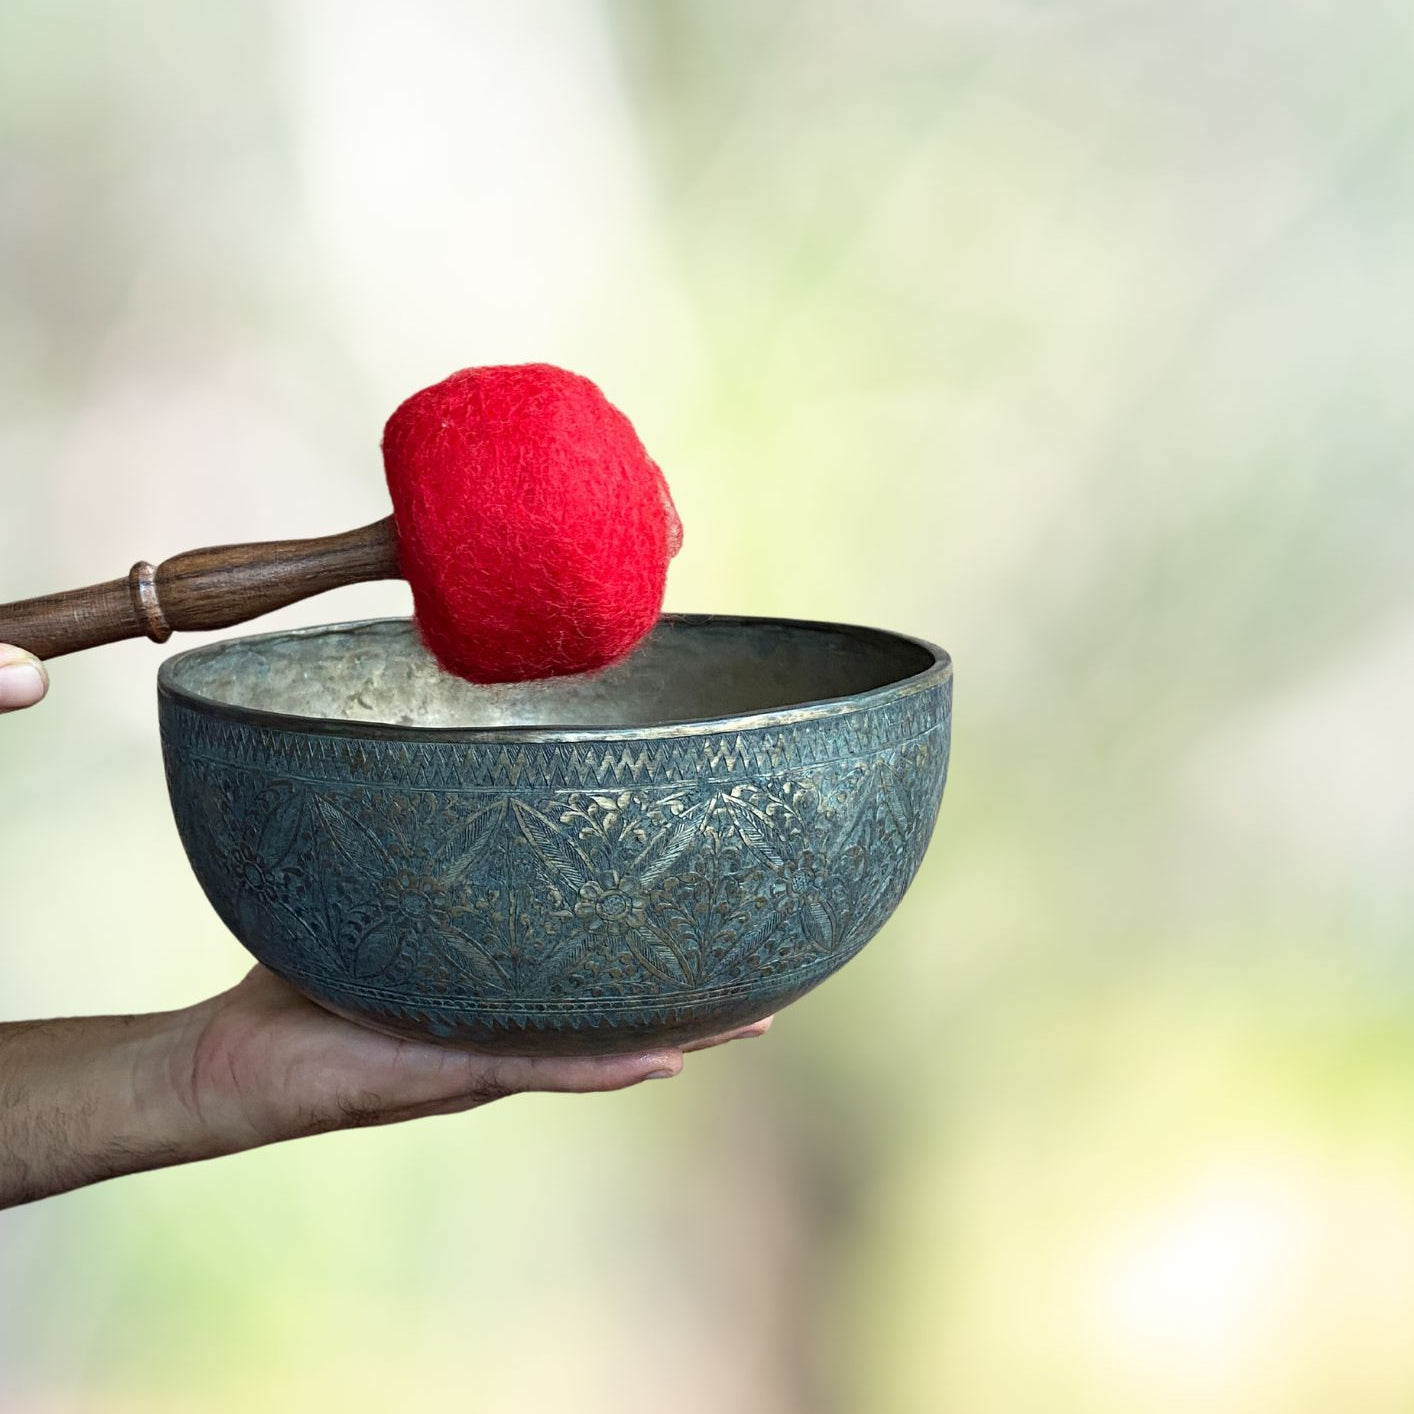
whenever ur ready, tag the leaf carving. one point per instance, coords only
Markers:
(748, 823)
(214, 811)
(357, 843)
(681, 837)
(375, 950)
(475, 838)
(659, 954)
(859, 807)
(817, 924)
(896, 801)
(475, 959)
(281, 830)
(560, 855)
(753, 932)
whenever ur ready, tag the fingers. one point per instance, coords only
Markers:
(583, 1075)
(23, 681)
(425, 1079)
(492, 1079)
(742, 1033)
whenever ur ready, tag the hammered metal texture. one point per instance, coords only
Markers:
(560, 896)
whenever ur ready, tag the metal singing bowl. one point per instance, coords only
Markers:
(675, 846)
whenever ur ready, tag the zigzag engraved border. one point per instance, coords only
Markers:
(450, 765)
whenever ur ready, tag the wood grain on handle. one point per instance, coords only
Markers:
(202, 589)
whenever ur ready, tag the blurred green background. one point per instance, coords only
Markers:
(1073, 334)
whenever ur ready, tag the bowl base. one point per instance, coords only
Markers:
(604, 1040)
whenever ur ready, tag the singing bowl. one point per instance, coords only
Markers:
(672, 847)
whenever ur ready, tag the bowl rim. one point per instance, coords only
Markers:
(937, 672)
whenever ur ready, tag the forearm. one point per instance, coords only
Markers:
(89, 1098)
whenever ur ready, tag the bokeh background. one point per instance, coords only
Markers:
(1073, 334)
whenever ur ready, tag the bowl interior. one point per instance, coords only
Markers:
(690, 668)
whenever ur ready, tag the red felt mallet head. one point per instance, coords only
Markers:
(532, 525)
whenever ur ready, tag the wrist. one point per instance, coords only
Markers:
(178, 1091)
(166, 1099)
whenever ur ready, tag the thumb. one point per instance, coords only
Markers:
(23, 680)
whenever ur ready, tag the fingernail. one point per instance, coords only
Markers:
(660, 1075)
(21, 685)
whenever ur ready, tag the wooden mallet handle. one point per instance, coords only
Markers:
(202, 589)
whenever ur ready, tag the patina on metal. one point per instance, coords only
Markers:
(680, 844)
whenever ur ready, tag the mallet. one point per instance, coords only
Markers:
(534, 529)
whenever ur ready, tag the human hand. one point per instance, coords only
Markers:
(23, 681)
(261, 1063)
(88, 1098)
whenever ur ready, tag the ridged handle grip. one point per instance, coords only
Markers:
(202, 589)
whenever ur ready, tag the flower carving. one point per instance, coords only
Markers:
(252, 873)
(415, 903)
(803, 877)
(611, 905)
